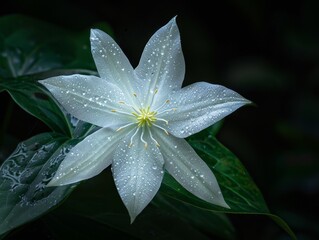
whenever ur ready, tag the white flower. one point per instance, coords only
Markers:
(144, 114)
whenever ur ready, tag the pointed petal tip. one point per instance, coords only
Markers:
(132, 219)
(61, 181)
(216, 200)
(174, 18)
(173, 21)
(43, 82)
(220, 201)
(51, 81)
(246, 101)
(53, 183)
(224, 204)
(93, 31)
(56, 182)
(48, 84)
(96, 34)
(133, 214)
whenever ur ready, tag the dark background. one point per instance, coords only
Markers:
(268, 51)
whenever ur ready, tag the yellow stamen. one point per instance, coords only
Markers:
(145, 117)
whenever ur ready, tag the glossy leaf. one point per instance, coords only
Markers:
(239, 190)
(214, 223)
(23, 176)
(29, 46)
(35, 100)
(32, 50)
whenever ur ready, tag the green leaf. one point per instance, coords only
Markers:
(237, 186)
(30, 46)
(32, 50)
(239, 190)
(35, 100)
(24, 175)
(215, 223)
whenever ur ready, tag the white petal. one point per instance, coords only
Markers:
(182, 162)
(89, 98)
(162, 63)
(138, 173)
(111, 62)
(198, 106)
(88, 158)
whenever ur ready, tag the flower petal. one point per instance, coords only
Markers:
(198, 106)
(138, 173)
(89, 98)
(110, 61)
(162, 63)
(88, 158)
(182, 162)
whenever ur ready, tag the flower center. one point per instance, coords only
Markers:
(145, 117)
